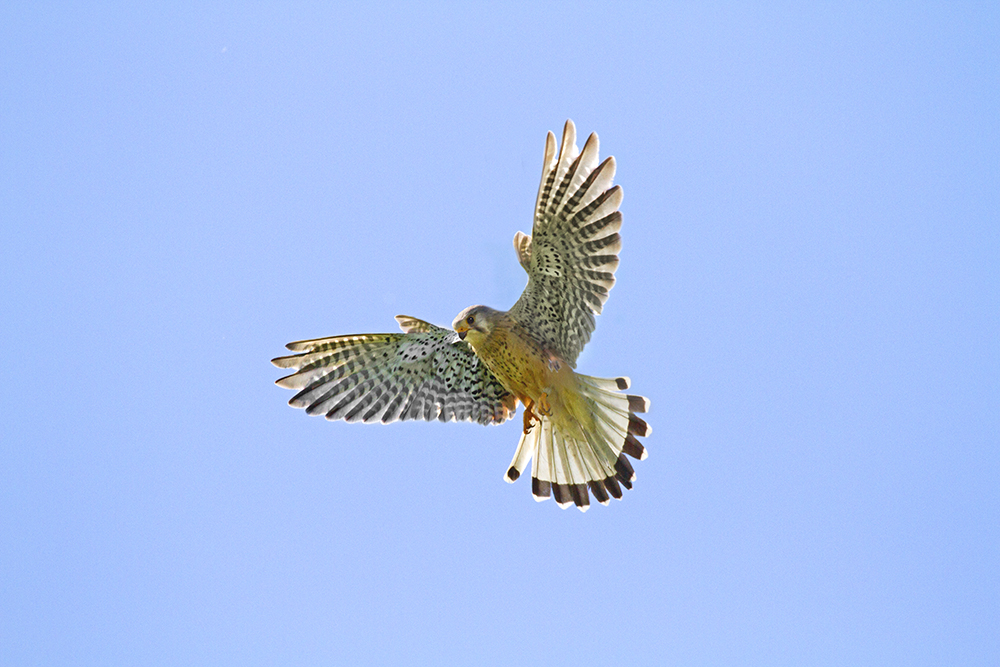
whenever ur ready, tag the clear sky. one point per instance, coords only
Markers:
(809, 294)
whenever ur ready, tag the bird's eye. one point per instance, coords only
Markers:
(470, 319)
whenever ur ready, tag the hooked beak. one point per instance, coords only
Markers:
(461, 335)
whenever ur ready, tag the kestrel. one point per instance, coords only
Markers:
(577, 429)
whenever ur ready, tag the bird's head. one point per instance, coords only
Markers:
(474, 323)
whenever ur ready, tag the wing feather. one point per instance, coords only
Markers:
(572, 253)
(424, 373)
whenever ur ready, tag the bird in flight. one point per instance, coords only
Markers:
(577, 429)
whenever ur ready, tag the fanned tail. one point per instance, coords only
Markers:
(579, 452)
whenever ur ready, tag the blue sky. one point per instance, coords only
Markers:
(808, 294)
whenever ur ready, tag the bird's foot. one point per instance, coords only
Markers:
(543, 405)
(529, 417)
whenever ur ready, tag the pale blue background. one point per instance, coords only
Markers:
(808, 294)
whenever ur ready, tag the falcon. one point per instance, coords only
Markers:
(578, 431)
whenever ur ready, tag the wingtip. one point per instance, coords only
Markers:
(568, 143)
(549, 157)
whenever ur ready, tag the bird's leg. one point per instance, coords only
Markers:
(529, 416)
(543, 404)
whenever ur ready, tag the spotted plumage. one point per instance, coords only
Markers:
(577, 429)
(573, 251)
(424, 373)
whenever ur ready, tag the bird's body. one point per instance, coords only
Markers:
(577, 429)
(523, 367)
(537, 377)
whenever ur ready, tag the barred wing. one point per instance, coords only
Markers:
(572, 254)
(424, 373)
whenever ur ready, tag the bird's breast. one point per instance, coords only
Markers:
(522, 365)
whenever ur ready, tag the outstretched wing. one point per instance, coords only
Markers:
(572, 254)
(424, 373)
